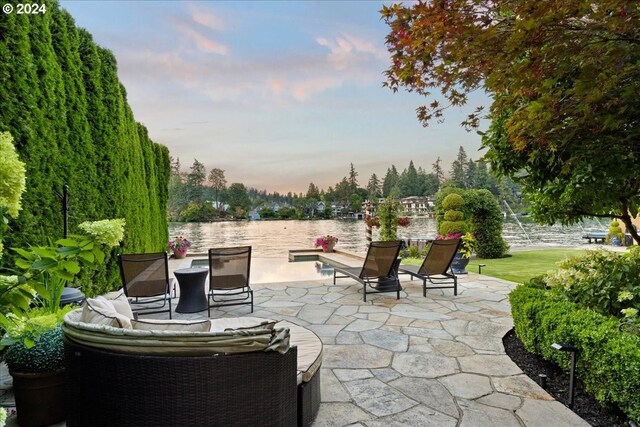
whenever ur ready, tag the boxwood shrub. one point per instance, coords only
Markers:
(608, 359)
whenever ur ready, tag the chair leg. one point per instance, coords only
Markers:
(424, 288)
(455, 286)
(208, 306)
(169, 307)
(251, 301)
(334, 277)
(398, 289)
(364, 293)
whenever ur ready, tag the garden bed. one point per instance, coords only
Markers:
(585, 405)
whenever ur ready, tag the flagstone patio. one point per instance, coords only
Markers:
(434, 361)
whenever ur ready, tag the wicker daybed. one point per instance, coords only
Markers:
(223, 372)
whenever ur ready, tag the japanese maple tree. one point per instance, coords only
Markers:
(564, 83)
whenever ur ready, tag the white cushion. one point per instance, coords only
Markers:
(309, 350)
(172, 325)
(102, 311)
(121, 304)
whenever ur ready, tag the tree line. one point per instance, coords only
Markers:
(200, 196)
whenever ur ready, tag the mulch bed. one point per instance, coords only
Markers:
(558, 386)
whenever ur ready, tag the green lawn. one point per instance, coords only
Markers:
(520, 266)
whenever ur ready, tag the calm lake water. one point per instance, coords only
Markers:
(275, 238)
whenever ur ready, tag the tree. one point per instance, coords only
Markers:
(563, 81)
(458, 169)
(218, 183)
(437, 170)
(313, 192)
(390, 181)
(195, 181)
(353, 179)
(374, 187)
(238, 199)
(409, 182)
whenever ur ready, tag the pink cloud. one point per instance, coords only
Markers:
(205, 17)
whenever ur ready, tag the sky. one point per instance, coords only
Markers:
(277, 94)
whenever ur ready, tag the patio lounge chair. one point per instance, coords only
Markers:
(229, 276)
(436, 266)
(379, 270)
(145, 281)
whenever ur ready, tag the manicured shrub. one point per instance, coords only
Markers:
(608, 359)
(615, 236)
(486, 223)
(453, 216)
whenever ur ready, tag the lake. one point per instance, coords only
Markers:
(275, 238)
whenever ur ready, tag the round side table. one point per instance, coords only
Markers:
(192, 295)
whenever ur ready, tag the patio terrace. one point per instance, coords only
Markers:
(435, 361)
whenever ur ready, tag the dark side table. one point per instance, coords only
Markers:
(192, 295)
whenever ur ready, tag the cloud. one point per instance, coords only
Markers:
(203, 43)
(205, 17)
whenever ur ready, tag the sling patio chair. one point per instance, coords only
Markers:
(146, 282)
(379, 270)
(436, 266)
(229, 276)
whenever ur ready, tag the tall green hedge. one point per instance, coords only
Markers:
(61, 99)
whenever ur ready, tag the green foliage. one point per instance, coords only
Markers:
(12, 176)
(388, 216)
(46, 354)
(453, 202)
(609, 361)
(199, 212)
(452, 206)
(486, 223)
(604, 281)
(563, 83)
(64, 105)
(453, 215)
(615, 231)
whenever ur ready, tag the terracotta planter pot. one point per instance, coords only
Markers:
(179, 255)
(329, 248)
(40, 398)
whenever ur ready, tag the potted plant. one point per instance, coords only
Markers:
(615, 236)
(179, 246)
(326, 242)
(467, 246)
(33, 339)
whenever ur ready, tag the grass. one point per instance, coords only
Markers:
(520, 266)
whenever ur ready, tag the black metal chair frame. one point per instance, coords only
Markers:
(239, 290)
(139, 300)
(361, 275)
(444, 276)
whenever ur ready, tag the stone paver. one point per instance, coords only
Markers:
(434, 361)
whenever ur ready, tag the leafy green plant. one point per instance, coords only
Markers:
(48, 269)
(609, 360)
(615, 236)
(13, 178)
(453, 216)
(47, 356)
(604, 281)
(388, 212)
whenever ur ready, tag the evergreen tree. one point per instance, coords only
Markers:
(353, 179)
(374, 188)
(437, 171)
(458, 167)
(313, 192)
(469, 174)
(195, 181)
(390, 181)
(409, 182)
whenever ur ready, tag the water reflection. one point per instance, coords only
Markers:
(275, 238)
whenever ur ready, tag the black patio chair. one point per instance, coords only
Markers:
(436, 266)
(379, 270)
(229, 270)
(146, 282)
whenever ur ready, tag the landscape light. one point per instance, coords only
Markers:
(480, 268)
(573, 350)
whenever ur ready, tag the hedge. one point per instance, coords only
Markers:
(608, 360)
(67, 111)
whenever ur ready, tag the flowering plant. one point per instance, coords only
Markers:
(180, 245)
(467, 244)
(374, 221)
(326, 241)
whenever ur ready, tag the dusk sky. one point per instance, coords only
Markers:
(277, 94)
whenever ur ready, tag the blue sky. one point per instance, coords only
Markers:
(277, 94)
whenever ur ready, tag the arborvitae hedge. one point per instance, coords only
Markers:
(61, 99)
